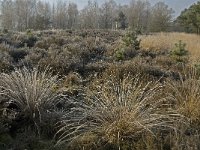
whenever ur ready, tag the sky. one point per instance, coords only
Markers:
(176, 5)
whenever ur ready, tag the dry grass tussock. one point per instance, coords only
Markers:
(166, 41)
(29, 92)
(186, 94)
(117, 113)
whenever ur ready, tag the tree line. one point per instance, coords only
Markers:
(21, 15)
(189, 19)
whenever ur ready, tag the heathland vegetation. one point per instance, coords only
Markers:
(95, 88)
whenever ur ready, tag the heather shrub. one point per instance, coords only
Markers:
(123, 53)
(31, 40)
(25, 41)
(42, 44)
(5, 31)
(72, 83)
(90, 43)
(5, 47)
(18, 54)
(135, 66)
(47, 42)
(121, 70)
(5, 60)
(94, 69)
(58, 41)
(62, 61)
(54, 39)
(129, 53)
(34, 56)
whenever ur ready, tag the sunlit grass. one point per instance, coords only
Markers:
(166, 41)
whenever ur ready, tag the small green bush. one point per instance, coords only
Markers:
(29, 32)
(131, 40)
(119, 54)
(180, 53)
(127, 49)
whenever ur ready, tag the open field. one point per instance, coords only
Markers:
(99, 90)
(166, 41)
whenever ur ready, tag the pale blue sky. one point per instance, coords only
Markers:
(177, 5)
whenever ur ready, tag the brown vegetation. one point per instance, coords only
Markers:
(166, 41)
(102, 90)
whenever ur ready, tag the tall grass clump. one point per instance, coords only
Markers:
(30, 93)
(117, 114)
(186, 95)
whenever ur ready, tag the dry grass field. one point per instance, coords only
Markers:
(166, 41)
